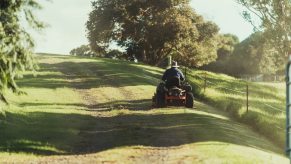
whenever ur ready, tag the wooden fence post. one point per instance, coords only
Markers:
(185, 73)
(169, 61)
(205, 82)
(247, 98)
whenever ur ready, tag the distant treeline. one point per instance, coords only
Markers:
(250, 57)
(85, 50)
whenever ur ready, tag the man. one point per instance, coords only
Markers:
(173, 76)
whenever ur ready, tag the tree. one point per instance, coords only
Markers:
(227, 43)
(114, 54)
(226, 46)
(275, 22)
(154, 29)
(16, 45)
(254, 55)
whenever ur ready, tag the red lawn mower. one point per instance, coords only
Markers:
(172, 93)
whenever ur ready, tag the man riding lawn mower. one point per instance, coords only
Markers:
(173, 91)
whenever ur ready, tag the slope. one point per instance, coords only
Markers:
(266, 102)
(99, 110)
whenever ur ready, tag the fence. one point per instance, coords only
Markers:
(246, 93)
(263, 78)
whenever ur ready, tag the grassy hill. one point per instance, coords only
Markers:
(266, 106)
(99, 110)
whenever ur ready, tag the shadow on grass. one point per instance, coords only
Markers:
(143, 104)
(81, 134)
(78, 134)
(263, 116)
(135, 105)
(38, 132)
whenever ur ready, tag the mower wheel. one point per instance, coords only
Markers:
(160, 100)
(189, 100)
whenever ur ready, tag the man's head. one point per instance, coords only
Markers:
(175, 64)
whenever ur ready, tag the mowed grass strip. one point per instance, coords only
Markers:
(49, 119)
(99, 110)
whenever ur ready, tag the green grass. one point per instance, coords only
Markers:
(99, 110)
(266, 112)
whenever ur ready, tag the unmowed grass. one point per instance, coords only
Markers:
(266, 113)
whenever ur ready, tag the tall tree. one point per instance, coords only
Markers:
(226, 46)
(227, 43)
(154, 29)
(254, 55)
(16, 45)
(274, 17)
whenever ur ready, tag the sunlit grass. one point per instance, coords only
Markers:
(266, 111)
(102, 108)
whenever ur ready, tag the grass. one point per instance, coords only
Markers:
(99, 110)
(266, 113)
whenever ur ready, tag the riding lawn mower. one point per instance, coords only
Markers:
(172, 93)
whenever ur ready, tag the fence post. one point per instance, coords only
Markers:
(205, 82)
(247, 97)
(185, 73)
(169, 61)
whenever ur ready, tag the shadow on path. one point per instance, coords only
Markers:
(81, 134)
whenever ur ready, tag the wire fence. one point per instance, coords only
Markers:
(263, 78)
(246, 93)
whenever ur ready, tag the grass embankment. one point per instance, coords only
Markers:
(98, 110)
(266, 113)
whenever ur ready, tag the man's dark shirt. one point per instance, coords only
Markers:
(173, 72)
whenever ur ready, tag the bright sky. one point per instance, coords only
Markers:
(67, 20)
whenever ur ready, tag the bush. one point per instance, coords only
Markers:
(83, 50)
(115, 54)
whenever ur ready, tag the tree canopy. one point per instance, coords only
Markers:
(16, 45)
(275, 23)
(226, 46)
(153, 29)
(254, 55)
(227, 43)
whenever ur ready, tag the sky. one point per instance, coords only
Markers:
(67, 18)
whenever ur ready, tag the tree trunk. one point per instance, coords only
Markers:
(161, 57)
(144, 56)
